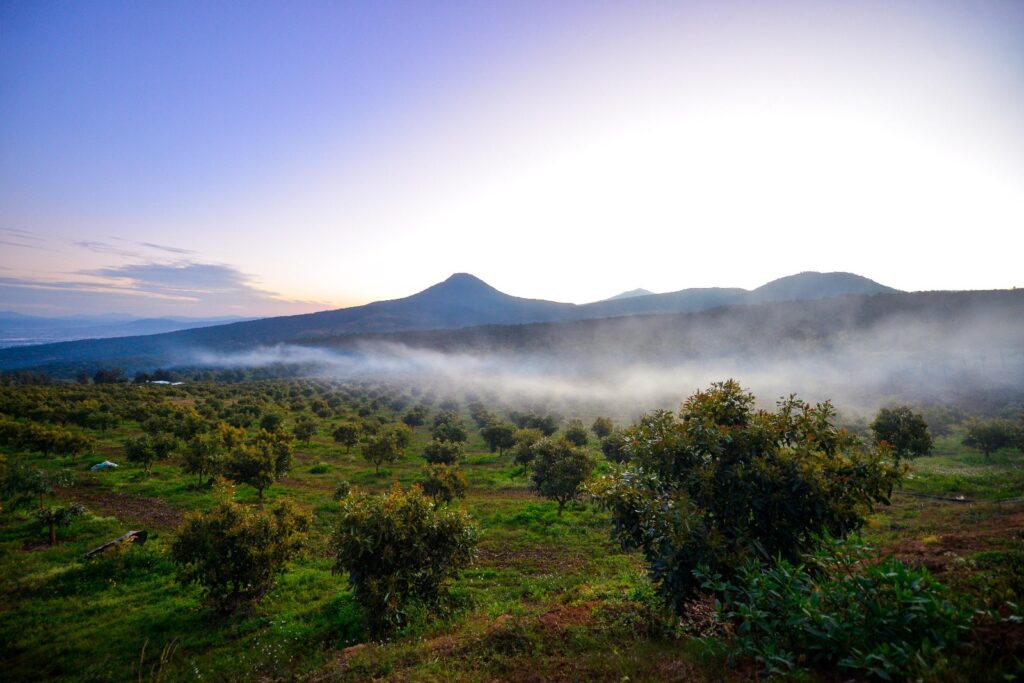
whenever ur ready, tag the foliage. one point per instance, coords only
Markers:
(443, 452)
(988, 436)
(559, 470)
(202, 455)
(398, 548)
(272, 422)
(525, 438)
(576, 433)
(305, 429)
(235, 552)
(443, 483)
(58, 517)
(346, 434)
(416, 415)
(615, 447)
(23, 484)
(260, 463)
(602, 427)
(146, 450)
(725, 484)
(844, 609)
(498, 436)
(341, 491)
(904, 430)
(547, 424)
(381, 448)
(448, 427)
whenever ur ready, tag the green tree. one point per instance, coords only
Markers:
(260, 463)
(58, 517)
(398, 548)
(559, 470)
(448, 427)
(346, 434)
(272, 422)
(615, 447)
(146, 450)
(443, 452)
(443, 483)
(602, 427)
(381, 448)
(498, 436)
(988, 436)
(726, 483)
(525, 438)
(904, 430)
(576, 433)
(305, 429)
(202, 456)
(235, 552)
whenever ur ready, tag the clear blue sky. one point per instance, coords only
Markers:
(261, 158)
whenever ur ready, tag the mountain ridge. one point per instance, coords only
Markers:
(461, 300)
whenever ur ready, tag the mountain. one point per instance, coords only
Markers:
(460, 301)
(630, 294)
(813, 285)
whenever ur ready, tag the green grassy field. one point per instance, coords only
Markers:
(549, 598)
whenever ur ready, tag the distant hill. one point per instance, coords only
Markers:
(460, 301)
(812, 285)
(630, 294)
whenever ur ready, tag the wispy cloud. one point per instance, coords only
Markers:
(13, 237)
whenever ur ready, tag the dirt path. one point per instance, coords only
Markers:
(147, 512)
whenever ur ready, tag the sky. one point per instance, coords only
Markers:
(267, 158)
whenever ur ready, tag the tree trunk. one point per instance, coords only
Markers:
(53, 533)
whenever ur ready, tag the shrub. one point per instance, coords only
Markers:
(602, 427)
(525, 438)
(444, 483)
(576, 433)
(725, 484)
(443, 452)
(342, 491)
(260, 463)
(904, 430)
(498, 436)
(399, 548)
(843, 609)
(559, 470)
(235, 552)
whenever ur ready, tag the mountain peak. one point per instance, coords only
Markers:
(630, 294)
(812, 284)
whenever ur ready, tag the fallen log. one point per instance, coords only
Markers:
(130, 537)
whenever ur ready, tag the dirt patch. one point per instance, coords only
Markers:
(563, 617)
(938, 551)
(148, 512)
(544, 559)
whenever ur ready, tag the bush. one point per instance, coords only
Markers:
(559, 470)
(576, 433)
(844, 610)
(725, 484)
(444, 483)
(904, 430)
(399, 548)
(235, 552)
(443, 452)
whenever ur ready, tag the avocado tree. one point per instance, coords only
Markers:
(346, 434)
(904, 430)
(724, 483)
(988, 436)
(235, 552)
(498, 436)
(397, 548)
(559, 470)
